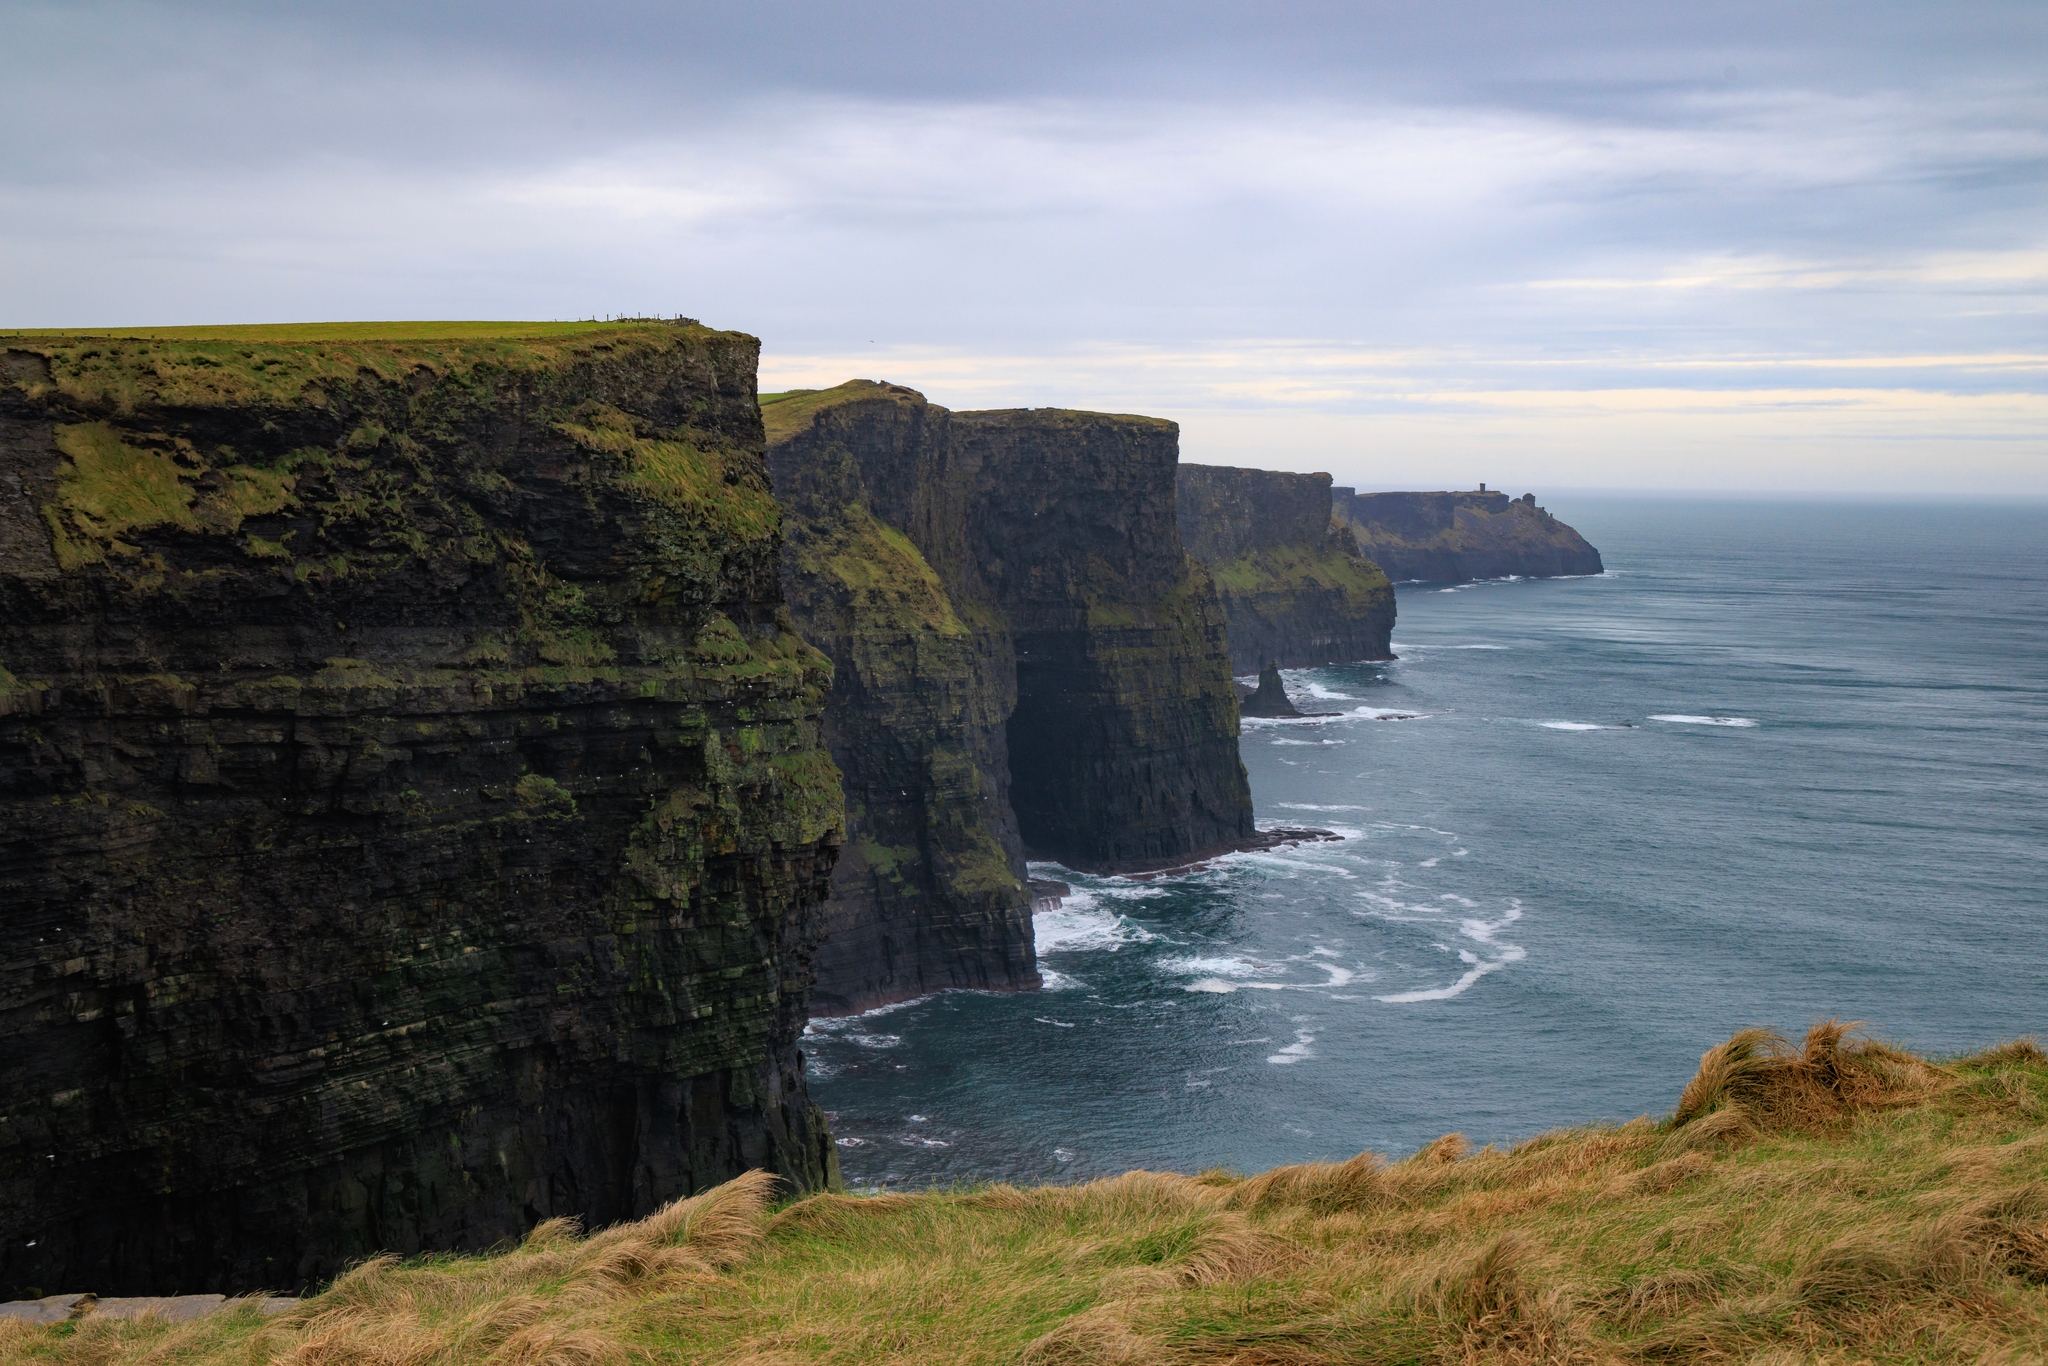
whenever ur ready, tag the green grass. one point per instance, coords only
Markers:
(282, 334)
(793, 411)
(1293, 568)
(279, 364)
(1840, 1202)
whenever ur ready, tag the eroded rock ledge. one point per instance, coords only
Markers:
(414, 818)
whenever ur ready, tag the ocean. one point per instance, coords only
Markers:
(1784, 761)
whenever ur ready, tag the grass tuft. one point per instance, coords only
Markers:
(1837, 1201)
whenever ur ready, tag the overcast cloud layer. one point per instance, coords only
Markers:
(1731, 246)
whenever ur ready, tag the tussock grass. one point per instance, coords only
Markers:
(1839, 1200)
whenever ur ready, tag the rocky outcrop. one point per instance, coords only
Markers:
(1014, 620)
(1269, 699)
(930, 893)
(1295, 589)
(1454, 537)
(414, 818)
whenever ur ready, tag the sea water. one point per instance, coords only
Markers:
(1783, 761)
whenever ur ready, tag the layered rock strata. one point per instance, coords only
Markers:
(1016, 623)
(1295, 590)
(930, 892)
(1454, 537)
(1123, 746)
(414, 816)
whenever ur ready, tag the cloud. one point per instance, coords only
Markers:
(1201, 211)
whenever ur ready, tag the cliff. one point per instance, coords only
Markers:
(1295, 589)
(416, 820)
(930, 893)
(1453, 537)
(1123, 746)
(1014, 619)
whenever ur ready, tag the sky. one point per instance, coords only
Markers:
(1704, 246)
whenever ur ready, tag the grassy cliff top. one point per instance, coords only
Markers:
(793, 411)
(278, 363)
(286, 333)
(1076, 418)
(1836, 1201)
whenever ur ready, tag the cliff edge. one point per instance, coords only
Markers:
(1454, 537)
(416, 819)
(1028, 660)
(1295, 589)
(930, 893)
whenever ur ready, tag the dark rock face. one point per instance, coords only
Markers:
(930, 892)
(1295, 589)
(1453, 537)
(416, 821)
(1270, 699)
(1123, 746)
(1007, 600)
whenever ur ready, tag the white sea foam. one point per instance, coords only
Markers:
(1570, 725)
(1485, 933)
(1078, 925)
(1323, 694)
(1386, 714)
(833, 1024)
(1296, 1051)
(1194, 965)
(1479, 970)
(1212, 984)
(1056, 1024)
(1312, 806)
(874, 1040)
(1740, 721)
(1048, 980)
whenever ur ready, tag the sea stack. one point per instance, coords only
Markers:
(417, 818)
(1271, 699)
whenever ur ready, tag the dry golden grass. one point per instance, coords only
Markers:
(1841, 1201)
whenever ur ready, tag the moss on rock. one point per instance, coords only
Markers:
(419, 793)
(1295, 589)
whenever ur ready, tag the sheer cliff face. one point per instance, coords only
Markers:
(1123, 746)
(1451, 537)
(930, 892)
(1295, 589)
(1026, 658)
(416, 821)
